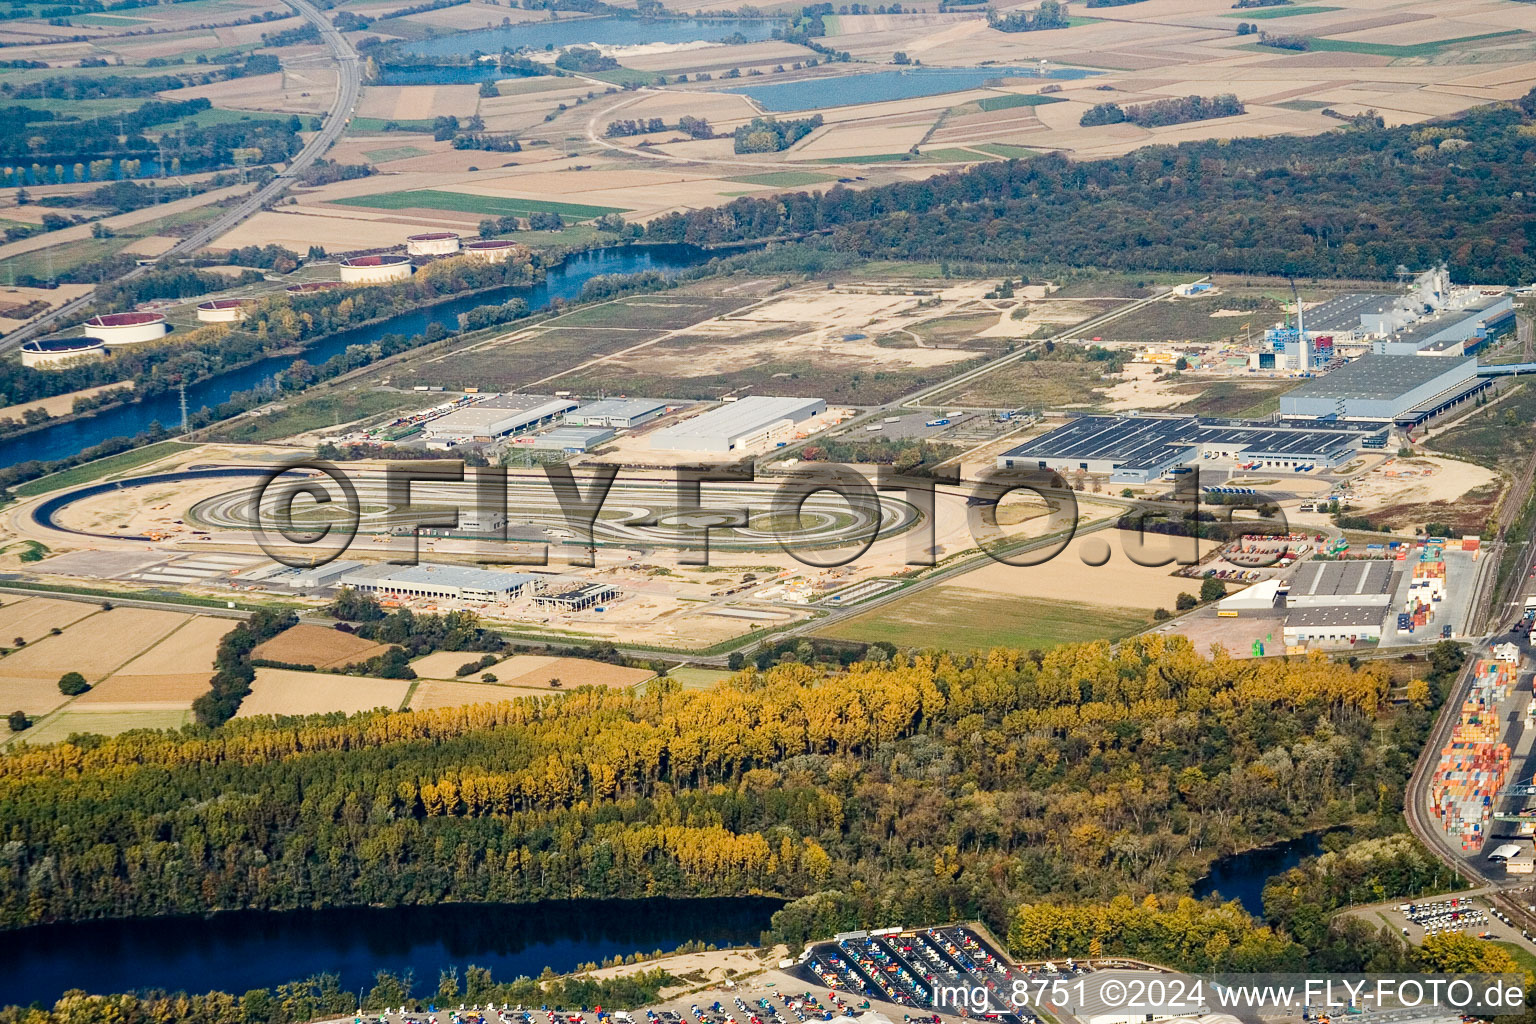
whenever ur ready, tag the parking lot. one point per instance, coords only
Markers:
(1469, 913)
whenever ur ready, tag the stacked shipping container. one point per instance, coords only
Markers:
(1474, 764)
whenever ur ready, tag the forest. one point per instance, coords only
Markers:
(914, 788)
(1356, 202)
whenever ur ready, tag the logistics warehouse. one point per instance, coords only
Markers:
(1139, 449)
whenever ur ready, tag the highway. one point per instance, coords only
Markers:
(349, 85)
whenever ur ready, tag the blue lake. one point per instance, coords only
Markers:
(235, 952)
(1242, 876)
(875, 86)
(606, 31)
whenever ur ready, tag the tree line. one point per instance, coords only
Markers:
(1357, 202)
(924, 787)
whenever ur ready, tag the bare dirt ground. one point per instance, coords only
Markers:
(1118, 582)
(318, 646)
(284, 692)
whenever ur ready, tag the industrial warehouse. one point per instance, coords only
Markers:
(735, 425)
(444, 582)
(1400, 389)
(495, 417)
(1141, 449)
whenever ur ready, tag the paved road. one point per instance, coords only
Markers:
(350, 80)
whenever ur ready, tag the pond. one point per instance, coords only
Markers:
(877, 86)
(1241, 876)
(541, 35)
(236, 952)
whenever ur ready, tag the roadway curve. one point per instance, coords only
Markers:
(349, 84)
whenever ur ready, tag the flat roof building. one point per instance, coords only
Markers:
(1138, 449)
(497, 416)
(616, 412)
(573, 439)
(1337, 624)
(576, 599)
(447, 582)
(1355, 313)
(1381, 387)
(1452, 325)
(1365, 583)
(744, 424)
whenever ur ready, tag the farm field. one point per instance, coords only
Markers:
(170, 675)
(464, 202)
(280, 691)
(32, 618)
(318, 646)
(76, 719)
(979, 620)
(115, 636)
(439, 693)
(532, 670)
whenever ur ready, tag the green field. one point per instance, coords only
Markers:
(694, 678)
(1429, 49)
(102, 723)
(370, 125)
(1266, 13)
(1305, 106)
(784, 179)
(379, 156)
(463, 202)
(100, 468)
(318, 412)
(624, 77)
(1015, 99)
(980, 620)
(1006, 151)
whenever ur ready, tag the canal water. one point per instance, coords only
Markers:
(1242, 876)
(237, 952)
(563, 282)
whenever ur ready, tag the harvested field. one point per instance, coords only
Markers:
(445, 664)
(530, 670)
(33, 618)
(443, 694)
(285, 692)
(317, 646)
(33, 695)
(116, 637)
(165, 692)
(189, 649)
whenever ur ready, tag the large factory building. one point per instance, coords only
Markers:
(444, 582)
(1386, 388)
(1339, 602)
(496, 417)
(743, 424)
(1140, 449)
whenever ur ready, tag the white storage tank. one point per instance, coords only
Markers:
(221, 311)
(375, 269)
(492, 250)
(52, 354)
(432, 243)
(126, 328)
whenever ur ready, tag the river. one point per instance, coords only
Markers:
(562, 282)
(1242, 876)
(236, 952)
